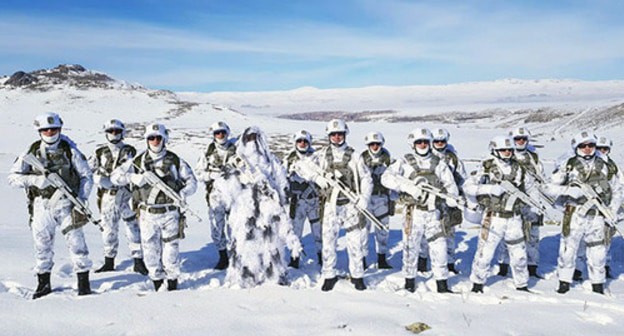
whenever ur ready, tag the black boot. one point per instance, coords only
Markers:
(523, 289)
(84, 287)
(410, 285)
(382, 263)
(172, 284)
(598, 288)
(503, 269)
(564, 287)
(320, 258)
(451, 268)
(329, 284)
(422, 264)
(43, 287)
(577, 276)
(109, 265)
(477, 288)
(608, 272)
(533, 271)
(358, 283)
(294, 262)
(157, 284)
(223, 262)
(364, 263)
(443, 286)
(139, 266)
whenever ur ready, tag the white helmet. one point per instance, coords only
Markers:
(114, 124)
(440, 134)
(499, 143)
(520, 132)
(604, 142)
(46, 121)
(302, 135)
(220, 126)
(374, 137)
(156, 130)
(336, 126)
(580, 138)
(420, 134)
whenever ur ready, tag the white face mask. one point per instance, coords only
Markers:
(51, 139)
(156, 149)
(113, 138)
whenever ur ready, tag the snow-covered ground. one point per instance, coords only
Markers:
(124, 302)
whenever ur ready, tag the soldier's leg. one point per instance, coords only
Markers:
(312, 213)
(436, 239)
(43, 229)
(596, 251)
(489, 238)
(354, 225)
(151, 241)
(169, 224)
(380, 210)
(132, 230)
(515, 242)
(110, 225)
(331, 226)
(568, 248)
(413, 236)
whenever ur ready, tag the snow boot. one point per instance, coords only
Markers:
(503, 269)
(157, 284)
(443, 286)
(523, 289)
(172, 284)
(564, 287)
(477, 288)
(223, 262)
(382, 263)
(43, 287)
(139, 266)
(608, 272)
(294, 262)
(422, 264)
(358, 283)
(533, 272)
(320, 258)
(109, 265)
(329, 284)
(451, 268)
(84, 287)
(598, 288)
(578, 275)
(410, 285)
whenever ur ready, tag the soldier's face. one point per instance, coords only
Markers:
(219, 134)
(337, 137)
(587, 148)
(49, 131)
(302, 143)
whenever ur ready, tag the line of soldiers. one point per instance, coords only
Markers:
(333, 188)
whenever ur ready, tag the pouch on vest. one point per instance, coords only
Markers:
(567, 218)
(78, 220)
(455, 216)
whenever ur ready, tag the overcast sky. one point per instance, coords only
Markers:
(252, 45)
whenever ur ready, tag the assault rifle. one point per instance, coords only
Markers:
(540, 181)
(515, 193)
(425, 187)
(157, 183)
(594, 200)
(61, 186)
(334, 181)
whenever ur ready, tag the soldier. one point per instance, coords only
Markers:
(211, 167)
(377, 159)
(304, 198)
(160, 218)
(337, 162)
(502, 219)
(422, 217)
(526, 156)
(59, 155)
(113, 201)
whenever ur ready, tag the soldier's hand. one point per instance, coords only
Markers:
(138, 179)
(574, 192)
(40, 182)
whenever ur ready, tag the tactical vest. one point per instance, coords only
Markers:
(528, 161)
(105, 155)
(428, 174)
(59, 162)
(493, 175)
(295, 186)
(145, 162)
(377, 167)
(347, 177)
(594, 178)
(218, 163)
(452, 161)
(613, 169)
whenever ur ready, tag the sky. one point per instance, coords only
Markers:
(254, 45)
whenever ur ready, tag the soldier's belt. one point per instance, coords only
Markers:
(504, 214)
(158, 209)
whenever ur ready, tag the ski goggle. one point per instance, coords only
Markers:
(421, 141)
(585, 145)
(154, 137)
(113, 131)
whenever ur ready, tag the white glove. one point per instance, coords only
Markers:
(413, 191)
(492, 189)
(102, 181)
(321, 182)
(138, 179)
(451, 203)
(40, 182)
(574, 192)
(362, 203)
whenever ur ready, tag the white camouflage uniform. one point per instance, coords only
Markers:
(47, 214)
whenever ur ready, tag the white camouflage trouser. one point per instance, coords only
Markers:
(160, 239)
(45, 220)
(308, 208)
(581, 259)
(217, 212)
(425, 225)
(589, 229)
(116, 208)
(510, 231)
(347, 217)
(531, 219)
(450, 245)
(378, 206)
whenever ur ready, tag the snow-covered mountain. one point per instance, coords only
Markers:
(124, 302)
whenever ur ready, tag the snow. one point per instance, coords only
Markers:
(124, 302)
